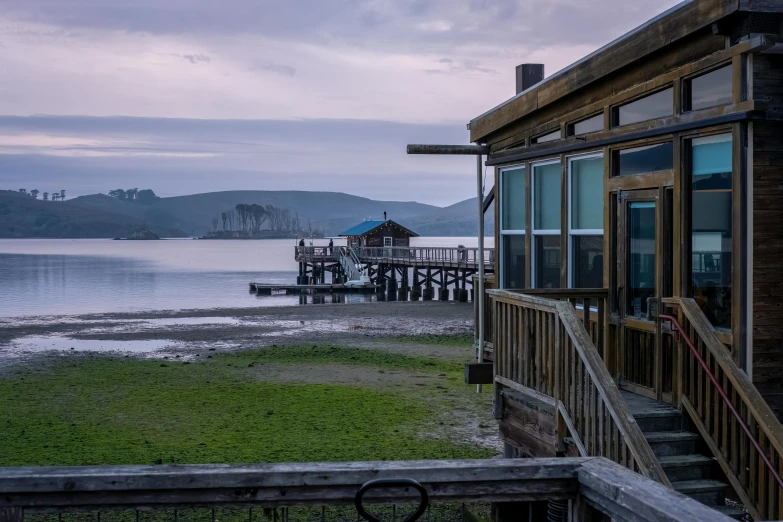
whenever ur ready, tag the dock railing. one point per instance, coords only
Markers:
(542, 347)
(327, 491)
(309, 253)
(448, 256)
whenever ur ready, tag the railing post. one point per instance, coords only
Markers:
(11, 514)
(560, 426)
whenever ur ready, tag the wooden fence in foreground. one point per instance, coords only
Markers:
(592, 487)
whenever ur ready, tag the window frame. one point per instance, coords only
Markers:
(686, 88)
(543, 232)
(572, 232)
(510, 232)
(614, 155)
(615, 109)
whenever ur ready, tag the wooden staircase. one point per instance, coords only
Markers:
(691, 473)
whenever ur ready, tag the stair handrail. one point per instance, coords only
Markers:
(757, 408)
(719, 389)
(755, 403)
(602, 380)
(572, 341)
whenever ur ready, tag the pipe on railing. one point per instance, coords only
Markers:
(719, 389)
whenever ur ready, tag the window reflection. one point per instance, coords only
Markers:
(547, 261)
(710, 90)
(711, 232)
(641, 256)
(650, 107)
(594, 124)
(513, 261)
(588, 259)
(641, 160)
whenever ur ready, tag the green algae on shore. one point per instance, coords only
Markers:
(79, 409)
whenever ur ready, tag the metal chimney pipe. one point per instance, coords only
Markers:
(529, 74)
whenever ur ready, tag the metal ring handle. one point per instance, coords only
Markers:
(391, 483)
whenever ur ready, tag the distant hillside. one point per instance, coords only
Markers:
(22, 216)
(99, 215)
(459, 219)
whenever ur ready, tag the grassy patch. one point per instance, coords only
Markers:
(340, 355)
(107, 410)
(458, 340)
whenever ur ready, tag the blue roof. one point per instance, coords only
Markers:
(368, 226)
(362, 228)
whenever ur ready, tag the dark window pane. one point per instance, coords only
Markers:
(513, 268)
(711, 234)
(641, 256)
(594, 124)
(654, 106)
(588, 262)
(547, 258)
(552, 136)
(711, 89)
(644, 159)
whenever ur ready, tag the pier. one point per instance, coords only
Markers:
(397, 272)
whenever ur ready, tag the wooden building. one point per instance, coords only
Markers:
(645, 183)
(386, 233)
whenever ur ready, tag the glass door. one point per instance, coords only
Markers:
(639, 278)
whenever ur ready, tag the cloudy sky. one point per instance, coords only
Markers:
(186, 96)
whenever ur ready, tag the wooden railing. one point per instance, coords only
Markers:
(489, 284)
(542, 346)
(313, 491)
(711, 388)
(449, 256)
(309, 253)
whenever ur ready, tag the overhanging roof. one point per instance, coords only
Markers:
(366, 227)
(666, 28)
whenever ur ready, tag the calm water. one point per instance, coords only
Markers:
(81, 276)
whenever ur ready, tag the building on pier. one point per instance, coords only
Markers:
(386, 233)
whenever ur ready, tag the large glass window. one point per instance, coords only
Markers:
(586, 126)
(546, 225)
(512, 230)
(586, 221)
(711, 226)
(656, 105)
(641, 160)
(641, 256)
(513, 199)
(709, 90)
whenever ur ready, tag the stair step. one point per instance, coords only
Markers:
(668, 443)
(687, 467)
(659, 421)
(709, 492)
(735, 512)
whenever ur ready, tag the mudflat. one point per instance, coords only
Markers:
(304, 383)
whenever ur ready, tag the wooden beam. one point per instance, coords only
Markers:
(274, 485)
(460, 150)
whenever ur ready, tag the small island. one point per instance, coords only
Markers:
(144, 234)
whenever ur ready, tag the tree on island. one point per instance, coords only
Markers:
(62, 195)
(23, 191)
(46, 196)
(34, 193)
(145, 197)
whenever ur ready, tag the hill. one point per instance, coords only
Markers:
(99, 215)
(22, 216)
(332, 211)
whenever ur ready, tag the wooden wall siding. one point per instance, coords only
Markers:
(768, 262)
(528, 424)
(697, 51)
(401, 238)
(646, 41)
(768, 82)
